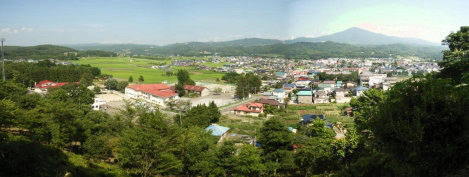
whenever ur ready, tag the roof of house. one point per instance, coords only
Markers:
(280, 73)
(217, 130)
(304, 93)
(303, 79)
(328, 82)
(45, 84)
(245, 107)
(320, 93)
(279, 90)
(340, 90)
(159, 90)
(307, 118)
(269, 102)
(194, 88)
(286, 85)
(360, 88)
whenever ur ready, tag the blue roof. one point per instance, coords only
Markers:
(304, 93)
(307, 118)
(280, 73)
(286, 85)
(279, 90)
(217, 130)
(360, 88)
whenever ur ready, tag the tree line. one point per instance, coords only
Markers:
(30, 73)
(52, 52)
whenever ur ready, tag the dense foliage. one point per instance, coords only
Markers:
(247, 84)
(30, 73)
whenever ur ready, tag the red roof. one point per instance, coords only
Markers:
(160, 90)
(45, 84)
(194, 88)
(245, 107)
(303, 78)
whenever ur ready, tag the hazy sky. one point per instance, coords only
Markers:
(29, 22)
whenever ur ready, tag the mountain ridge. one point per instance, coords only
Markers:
(359, 36)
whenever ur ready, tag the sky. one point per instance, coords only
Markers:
(161, 22)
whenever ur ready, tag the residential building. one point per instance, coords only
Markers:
(304, 97)
(358, 91)
(320, 96)
(341, 95)
(217, 130)
(270, 102)
(201, 91)
(251, 109)
(280, 94)
(154, 93)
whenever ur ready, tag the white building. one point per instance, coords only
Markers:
(154, 93)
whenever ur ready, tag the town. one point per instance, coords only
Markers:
(234, 88)
(283, 82)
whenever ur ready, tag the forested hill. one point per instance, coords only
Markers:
(50, 52)
(259, 47)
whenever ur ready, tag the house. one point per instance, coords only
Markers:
(308, 118)
(371, 79)
(340, 92)
(98, 104)
(281, 75)
(302, 83)
(199, 90)
(270, 102)
(287, 86)
(304, 97)
(358, 91)
(350, 84)
(320, 96)
(280, 94)
(154, 93)
(251, 109)
(328, 86)
(217, 130)
(340, 95)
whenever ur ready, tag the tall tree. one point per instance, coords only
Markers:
(183, 79)
(455, 62)
(141, 79)
(148, 149)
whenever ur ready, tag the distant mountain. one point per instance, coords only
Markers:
(363, 37)
(50, 52)
(108, 47)
(248, 42)
(354, 42)
(299, 50)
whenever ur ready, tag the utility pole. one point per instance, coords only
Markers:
(3, 60)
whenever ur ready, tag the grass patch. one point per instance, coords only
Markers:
(122, 68)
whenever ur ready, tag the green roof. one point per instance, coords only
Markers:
(304, 93)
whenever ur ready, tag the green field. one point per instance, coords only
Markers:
(123, 67)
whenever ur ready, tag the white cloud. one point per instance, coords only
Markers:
(15, 30)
